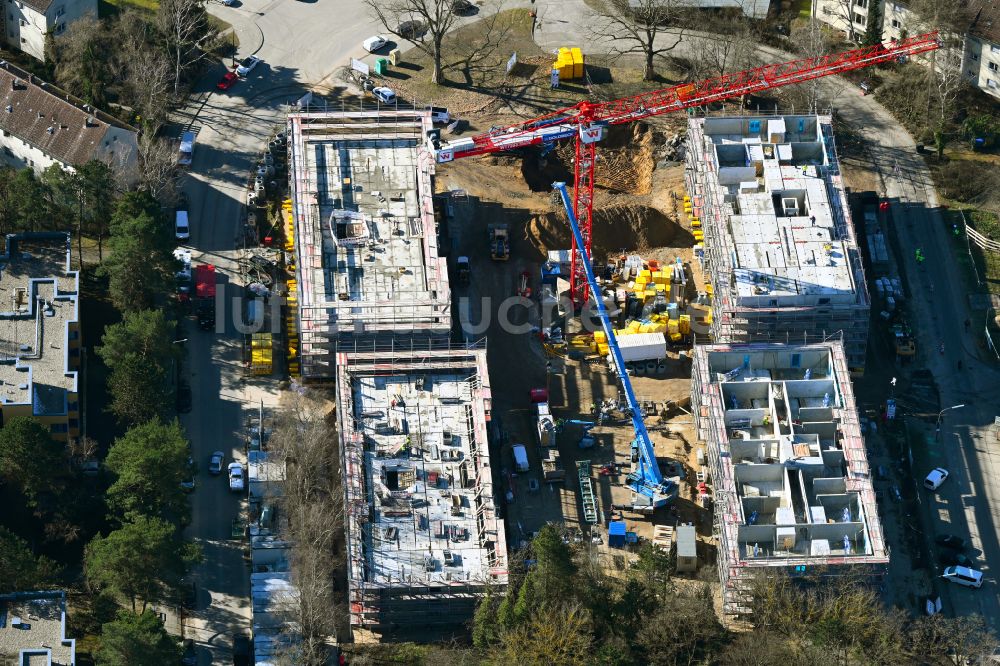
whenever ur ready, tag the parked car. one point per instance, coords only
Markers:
(235, 476)
(936, 477)
(373, 44)
(227, 81)
(215, 463)
(241, 650)
(182, 229)
(461, 6)
(247, 65)
(949, 558)
(184, 274)
(183, 398)
(185, 150)
(384, 95)
(410, 29)
(963, 576)
(190, 657)
(951, 541)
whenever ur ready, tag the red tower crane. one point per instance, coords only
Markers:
(587, 120)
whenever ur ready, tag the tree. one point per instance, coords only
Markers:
(149, 462)
(137, 640)
(29, 457)
(19, 568)
(145, 75)
(22, 198)
(140, 265)
(557, 636)
(157, 162)
(843, 10)
(553, 572)
(957, 640)
(143, 561)
(633, 26)
(684, 631)
(140, 354)
(873, 28)
(435, 19)
(83, 60)
(183, 24)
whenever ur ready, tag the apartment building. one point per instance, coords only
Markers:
(40, 333)
(41, 125)
(25, 24)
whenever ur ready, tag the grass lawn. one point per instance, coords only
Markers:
(803, 8)
(110, 7)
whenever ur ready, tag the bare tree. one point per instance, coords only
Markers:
(949, 84)
(312, 503)
(811, 42)
(157, 160)
(843, 10)
(145, 76)
(633, 26)
(424, 23)
(183, 24)
(733, 47)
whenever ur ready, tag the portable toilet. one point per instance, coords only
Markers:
(381, 66)
(394, 57)
(577, 62)
(687, 548)
(616, 534)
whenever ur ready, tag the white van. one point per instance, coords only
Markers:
(182, 230)
(964, 576)
(439, 114)
(520, 458)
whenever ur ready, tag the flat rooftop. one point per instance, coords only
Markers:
(789, 233)
(366, 239)
(791, 452)
(38, 300)
(418, 471)
(33, 630)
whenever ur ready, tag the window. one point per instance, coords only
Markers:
(896, 23)
(993, 66)
(861, 3)
(974, 56)
(23, 22)
(994, 48)
(74, 423)
(860, 20)
(796, 360)
(58, 427)
(824, 301)
(73, 406)
(827, 10)
(991, 83)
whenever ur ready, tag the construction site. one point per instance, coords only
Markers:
(424, 538)
(367, 261)
(663, 354)
(780, 247)
(789, 472)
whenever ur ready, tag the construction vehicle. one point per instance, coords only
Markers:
(524, 285)
(586, 439)
(464, 270)
(587, 121)
(204, 291)
(499, 242)
(906, 347)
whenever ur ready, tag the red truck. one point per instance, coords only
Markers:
(204, 293)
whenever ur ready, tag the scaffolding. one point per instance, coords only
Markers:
(365, 236)
(737, 320)
(424, 539)
(587, 497)
(740, 559)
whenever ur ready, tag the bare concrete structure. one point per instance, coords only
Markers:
(424, 539)
(33, 629)
(780, 245)
(789, 472)
(365, 237)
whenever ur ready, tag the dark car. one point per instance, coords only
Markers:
(951, 541)
(949, 558)
(410, 29)
(190, 657)
(183, 398)
(461, 6)
(241, 650)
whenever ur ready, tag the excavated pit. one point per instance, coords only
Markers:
(615, 228)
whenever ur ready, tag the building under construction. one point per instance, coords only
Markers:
(367, 264)
(790, 476)
(424, 539)
(780, 246)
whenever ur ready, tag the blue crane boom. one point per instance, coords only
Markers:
(647, 480)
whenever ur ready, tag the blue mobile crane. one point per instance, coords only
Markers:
(645, 480)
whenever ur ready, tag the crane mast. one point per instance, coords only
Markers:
(587, 121)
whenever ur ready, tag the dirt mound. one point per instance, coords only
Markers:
(615, 228)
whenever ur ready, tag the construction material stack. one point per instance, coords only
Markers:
(569, 63)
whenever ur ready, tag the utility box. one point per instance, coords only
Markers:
(394, 57)
(616, 534)
(381, 66)
(687, 548)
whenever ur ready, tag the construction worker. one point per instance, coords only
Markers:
(920, 256)
(954, 229)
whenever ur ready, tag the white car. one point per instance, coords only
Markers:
(182, 229)
(373, 44)
(963, 576)
(935, 478)
(184, 257)
(384, 95)
(235, 476)
(247, 65)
